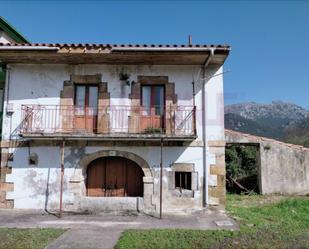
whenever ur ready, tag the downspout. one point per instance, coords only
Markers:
(61, 177)
(205, 167)
(161, 174)
(7, 87)
(6, 111)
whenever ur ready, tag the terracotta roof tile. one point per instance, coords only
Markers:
(92, 45)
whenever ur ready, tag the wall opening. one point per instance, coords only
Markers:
(114, 177)
(183, 180)
(242, 168)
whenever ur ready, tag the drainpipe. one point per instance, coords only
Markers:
(7, 86)
(161, 174)
(205, 167)
(6, 112)
(61, 177)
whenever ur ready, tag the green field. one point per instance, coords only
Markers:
(265, 222)
(36, 238)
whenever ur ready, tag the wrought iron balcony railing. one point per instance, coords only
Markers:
(111, 120)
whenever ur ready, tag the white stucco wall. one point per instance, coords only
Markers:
(37, 187)
(41, 84)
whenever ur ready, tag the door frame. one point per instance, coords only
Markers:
(125, 167)
(86, 106)
(78, 179)
(163, 116)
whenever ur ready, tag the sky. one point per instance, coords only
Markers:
(270, 39)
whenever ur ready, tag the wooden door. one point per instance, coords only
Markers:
(86, 108)
(95, 178)
(114, 176)
(134, 180)
(153, 107)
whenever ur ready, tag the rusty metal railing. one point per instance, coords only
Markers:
(49, 119)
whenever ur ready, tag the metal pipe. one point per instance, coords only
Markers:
(161, 175)
(205, 182)
(193, 93)
(61, 176)
(169, 49)
(28, 48)
(7, 87)
(194, 108)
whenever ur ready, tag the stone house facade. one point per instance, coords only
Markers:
(113, 127)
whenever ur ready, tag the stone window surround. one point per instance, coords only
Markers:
(135, 95)
(170, 97)
(67, 96)
(183, 167)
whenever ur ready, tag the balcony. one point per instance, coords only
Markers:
(110, 123)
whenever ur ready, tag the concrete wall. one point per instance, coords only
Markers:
(38, 186)
(284, 168)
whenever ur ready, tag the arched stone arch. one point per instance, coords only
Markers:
(85, 161)
(77, 183)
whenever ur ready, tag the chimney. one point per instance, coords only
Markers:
(190, 40)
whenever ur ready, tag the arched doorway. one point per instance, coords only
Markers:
(114, 177)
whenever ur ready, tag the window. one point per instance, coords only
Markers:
(183, 180)
(86, 108)
(153, 99)
(86, 99)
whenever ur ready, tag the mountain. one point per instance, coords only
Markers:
(279, 120)
(298, 133)
(278, 113)
(238, 123)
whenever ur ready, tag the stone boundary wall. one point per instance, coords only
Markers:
(284, 168)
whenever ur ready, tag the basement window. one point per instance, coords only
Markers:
(183, 180)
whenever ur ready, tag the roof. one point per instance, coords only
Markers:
(96, 45)
(240, 137)
(11, 31)
(82, 53)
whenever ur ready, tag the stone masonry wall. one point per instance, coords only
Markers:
(284, 168)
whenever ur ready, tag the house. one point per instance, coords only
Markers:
(8, 34)
(113, 127)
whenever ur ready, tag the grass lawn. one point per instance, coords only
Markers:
(265, 222)
(36, 238)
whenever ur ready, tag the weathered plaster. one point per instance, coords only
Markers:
(35, 186)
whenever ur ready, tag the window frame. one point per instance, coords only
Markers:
(87, 91)
(152, 86)
(178, 183)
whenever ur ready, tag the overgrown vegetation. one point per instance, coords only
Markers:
(152, 130)
(13, 238)
(265, 222)
(242, 168)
